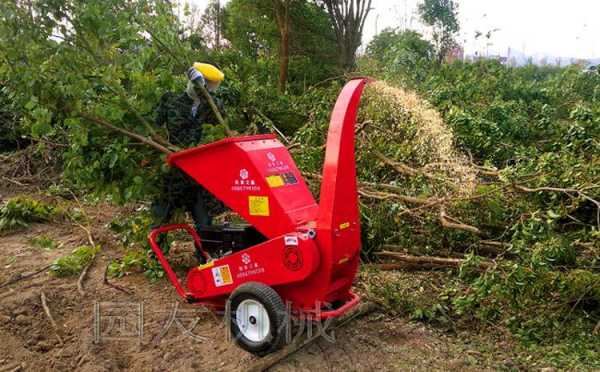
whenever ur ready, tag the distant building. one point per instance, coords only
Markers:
(502, 59)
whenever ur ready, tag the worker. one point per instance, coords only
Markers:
(182, 116)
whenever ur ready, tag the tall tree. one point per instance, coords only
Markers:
(348, 19)
(390, 44)
(297, 32)
(211, 23)
(282, 14)
(442, 16)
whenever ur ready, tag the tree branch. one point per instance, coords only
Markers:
(567, 191)
(135, 136)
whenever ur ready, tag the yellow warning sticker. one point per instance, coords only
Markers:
(258, 205)
(344, 225)
(275, 180)
(222, 276)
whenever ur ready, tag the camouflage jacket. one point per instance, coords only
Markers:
(174, 113)
(184, 128)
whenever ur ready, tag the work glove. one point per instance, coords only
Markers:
(196, 77)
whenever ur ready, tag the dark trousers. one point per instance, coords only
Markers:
(163, 211)
(180, 192)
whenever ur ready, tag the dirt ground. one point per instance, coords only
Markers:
(175, 336)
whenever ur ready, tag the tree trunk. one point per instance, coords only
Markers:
(348, 20)
(218, 26)
(284, 59)
(346, 58)
(282, 13)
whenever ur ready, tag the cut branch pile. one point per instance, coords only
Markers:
(410, 175)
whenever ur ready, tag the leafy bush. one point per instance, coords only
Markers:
(11, 130)
(20, 211)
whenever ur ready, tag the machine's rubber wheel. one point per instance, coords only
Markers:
(257, 318)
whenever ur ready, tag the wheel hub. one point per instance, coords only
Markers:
(253, 320)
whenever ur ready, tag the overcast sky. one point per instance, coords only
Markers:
(536, 27)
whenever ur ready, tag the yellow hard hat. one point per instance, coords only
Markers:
(209, 72)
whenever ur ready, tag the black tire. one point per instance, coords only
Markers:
(277, 317)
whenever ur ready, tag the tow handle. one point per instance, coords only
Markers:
(163, 261)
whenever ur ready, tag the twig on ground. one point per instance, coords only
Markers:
(82, 276)
(492, 172)
(14, 367)
(49, 315)
(112, 285)
(432, 203)
(13, 181)
(587, 290)
(20, 277)
(493, 247)
(88, 232)
(405, 266)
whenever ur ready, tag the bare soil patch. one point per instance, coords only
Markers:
(191, 339)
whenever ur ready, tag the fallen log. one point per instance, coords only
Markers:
(427, 260)
(408, 267)
(494, 248)
(298, 343)
(452, 223)
(387, 196)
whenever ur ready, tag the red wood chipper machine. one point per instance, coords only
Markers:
(294, 254)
